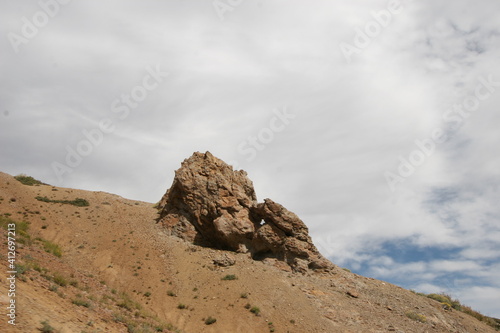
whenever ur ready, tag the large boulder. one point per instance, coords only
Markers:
(212, 205)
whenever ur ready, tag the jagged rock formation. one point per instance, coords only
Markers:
(211, 205)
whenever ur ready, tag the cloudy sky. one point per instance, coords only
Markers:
(377, 122)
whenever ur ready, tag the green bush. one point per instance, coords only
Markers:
(60, 280)
(79, 202)
(28, 180)
(229, 277)
(21, 269)
(127, 303)
(46, 328)
(417, 317)
(53, 248)
(255, 310)
(81, 302)
(21, 228)
(210, 320)
(446, 300)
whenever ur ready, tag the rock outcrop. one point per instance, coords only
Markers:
(212, 205)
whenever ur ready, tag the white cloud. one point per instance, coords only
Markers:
(353, 121)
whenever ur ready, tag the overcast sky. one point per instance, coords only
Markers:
(377, 122)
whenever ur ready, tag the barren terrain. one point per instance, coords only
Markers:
(119, 271)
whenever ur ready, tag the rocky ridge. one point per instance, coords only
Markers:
(212, 205)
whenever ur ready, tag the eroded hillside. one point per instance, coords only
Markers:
(110, 267)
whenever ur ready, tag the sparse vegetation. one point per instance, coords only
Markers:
(53, 248)
(448, 303)
(416, 316)
(21, 228)
(445, 300)
(255, 310)
(127, 303)
(81, 302)
(127, 312)
(28, 180)
(60, 280)
(46, 328)
(21, 269)
(79, 202)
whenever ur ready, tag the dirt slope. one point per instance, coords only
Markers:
(124, 274)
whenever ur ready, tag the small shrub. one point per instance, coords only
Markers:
(255, 310)
(36, 267)
(53, 248)
(446, 300)
(119, 318)
(247, 306)
(488, 320)
(244, 295)
(230, 277)
(147, 294)
(210, 321)
(28, 180)
(127, 303)
(60, 280)
(21, 269)
(171, 293)
(416, 316)
(46, 328)
(21, 227)
(181, 306)
(81, 302)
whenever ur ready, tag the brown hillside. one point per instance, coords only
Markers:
(121, 271)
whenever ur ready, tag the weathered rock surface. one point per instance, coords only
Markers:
(212, 205)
